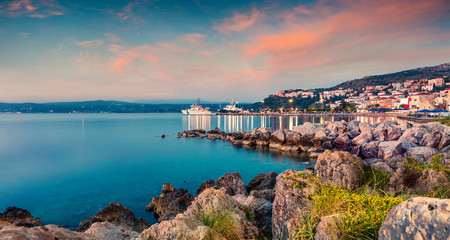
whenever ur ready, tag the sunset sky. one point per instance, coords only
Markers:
(108, 49)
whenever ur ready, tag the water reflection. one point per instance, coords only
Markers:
(234, 123)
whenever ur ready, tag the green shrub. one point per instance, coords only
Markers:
(375, 179)
(221, 222)
(361, 214)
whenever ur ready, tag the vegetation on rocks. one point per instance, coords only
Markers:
(221, 222)
(360, 215)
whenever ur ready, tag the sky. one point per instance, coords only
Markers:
(55, 50)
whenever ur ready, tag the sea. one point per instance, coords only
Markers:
(64, 168)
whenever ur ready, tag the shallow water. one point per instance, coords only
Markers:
(64, 168)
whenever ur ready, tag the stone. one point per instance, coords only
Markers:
(261, 210)
(181, 227)
(87, 223)
(209, 183)
(289, 206)
(342, 141)
(167, 188)
(327, 145)
(212, 200)
(362, 139)
(409, 135)
(418, 218)
(20, 217)
(340, 168)
(389, 149)
(267, 194)
(169, 204)
(320, 135)
(232, 184)
(444, 142)
(118, 215)
(327, 229)
(353, 125)
(43, 232)
(431, 139)
(106, 230)
(306, 128)
(262, 181)
(278, 136)
(382, 166)
(423, 154)
(370, 150)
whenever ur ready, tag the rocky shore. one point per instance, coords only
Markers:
(382, 181)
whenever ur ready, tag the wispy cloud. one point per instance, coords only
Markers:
(239, 22)
(195, 38)
(93, 43)
(33, 9)
(23, 35)
(111, 37)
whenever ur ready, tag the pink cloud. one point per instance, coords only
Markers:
(34, 9)
(93, 43)
(194, 38)
(239, 22)
(320, 35)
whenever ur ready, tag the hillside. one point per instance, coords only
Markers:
(418, 73)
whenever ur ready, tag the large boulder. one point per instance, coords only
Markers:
(207, 184)
(171, 202)
(431, 139)
(389, 149)
(370, 150)
(106, 230)
(290, 205)
(232, 184)
(278, 136)
(181, 227)
(418, 218)
(409, 135)
(20, 217)
(262, 181)
(267, 194)
(415, 181)
(340, 168)
(342, 141)
(118, 215)
(421, 153)
(306, 128)
(353, 125)
(327, 228)
(43, 232)
(260, 211)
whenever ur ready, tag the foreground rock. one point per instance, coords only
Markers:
(106, 230)
(20, 217)
(418, 218)
(262, 181)
(43, 232)
(210, 204)
(118, 215)
(232, 184)
(340, 168)
(171, 202)
(289, 207)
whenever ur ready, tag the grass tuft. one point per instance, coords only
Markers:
(221, 222)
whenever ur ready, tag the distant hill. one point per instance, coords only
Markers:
(418, 73)
(90, 107)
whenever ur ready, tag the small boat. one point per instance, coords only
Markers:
(197, 109)
(231, 108)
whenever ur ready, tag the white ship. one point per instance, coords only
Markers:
(232, 108)
(197, 109)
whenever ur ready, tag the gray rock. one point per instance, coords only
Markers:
(118, 215)
(382, 166)
(232, 184)
(421, 153)
(289, 207)
(327, 229)
(267, 194)
(418, 218)
(342, 141)
(106, 230)
(278, 136)
(20, 217)
(362, 139)
(169, 204)
(42, 232)
(306, 128)
(320, 135)
(262, 181)
(353, 125)
(370, 150)
(260, 208)
(431, 139)
(207, 184)
(340, 168)
(389, 149)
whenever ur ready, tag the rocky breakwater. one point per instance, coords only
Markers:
(387, 141)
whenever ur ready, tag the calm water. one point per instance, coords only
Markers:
(64, 168)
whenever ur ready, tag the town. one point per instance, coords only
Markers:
(413, 95)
